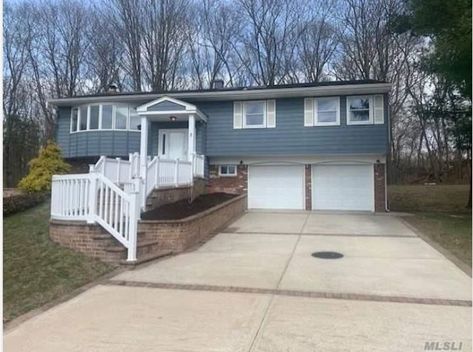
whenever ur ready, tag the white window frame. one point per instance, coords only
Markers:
(316, 112)
(263, 125)
(235, 173)
(370, 110)
(79, 119)
(77, 122)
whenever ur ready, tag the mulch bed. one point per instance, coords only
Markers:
(183, 209)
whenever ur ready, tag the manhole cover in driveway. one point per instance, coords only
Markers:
(327, 255)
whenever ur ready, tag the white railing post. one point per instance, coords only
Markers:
(156, 174)
(176, 173)
(91, 168)
(134, 217)
(130, 173)
(118, 169)
(91, 214)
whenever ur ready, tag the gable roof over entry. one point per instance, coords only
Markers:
(166, 106)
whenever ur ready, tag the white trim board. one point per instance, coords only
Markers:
(315, 159)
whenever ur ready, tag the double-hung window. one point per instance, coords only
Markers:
(254, 114)
(327, 111)
(359, 110)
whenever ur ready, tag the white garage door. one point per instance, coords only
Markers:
(342, 187)
(276, 187)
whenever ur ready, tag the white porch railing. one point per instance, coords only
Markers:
(95, 198)
(168, 173)
(118, 170)
(198, 163)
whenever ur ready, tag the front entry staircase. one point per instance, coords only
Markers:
(114, 193)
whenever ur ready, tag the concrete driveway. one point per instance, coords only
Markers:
(256, 287)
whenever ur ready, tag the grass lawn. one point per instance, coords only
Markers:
(439, 212)
(35, 270)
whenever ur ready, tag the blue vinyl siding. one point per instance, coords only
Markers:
(94, 143)
(290, 137)
(166, 106)
(218, 138)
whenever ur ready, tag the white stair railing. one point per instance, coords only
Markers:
(96, 199)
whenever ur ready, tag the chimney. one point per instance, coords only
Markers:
(112, 88)
(217, 84)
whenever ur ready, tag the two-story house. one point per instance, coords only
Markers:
(310, 146)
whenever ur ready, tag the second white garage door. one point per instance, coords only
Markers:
(276, 187)
(343, 187)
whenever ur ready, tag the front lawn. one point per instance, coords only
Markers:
(439, 213)
(35, 270)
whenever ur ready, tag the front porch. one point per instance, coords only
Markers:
(115, 191)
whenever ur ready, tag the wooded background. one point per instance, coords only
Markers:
(58, 48)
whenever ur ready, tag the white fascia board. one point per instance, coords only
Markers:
(349, 89)
(309, 159)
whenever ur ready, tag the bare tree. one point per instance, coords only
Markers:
(318, 42)
(21, 127)
(210, 48)
(106, 51)
(165, 27)
(127, 18)
(268, 41)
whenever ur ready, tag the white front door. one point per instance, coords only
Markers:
(276, 187)
(173, 144)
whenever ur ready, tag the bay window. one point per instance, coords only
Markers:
(105, 116)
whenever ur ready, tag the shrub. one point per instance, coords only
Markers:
(21, 201)
(48, 163)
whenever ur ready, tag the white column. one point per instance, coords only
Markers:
(143, 158)
(143, 146)
(192, 140)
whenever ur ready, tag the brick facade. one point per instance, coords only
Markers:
(228, 184)
(308, 187)
(379, 187)
(154, 237)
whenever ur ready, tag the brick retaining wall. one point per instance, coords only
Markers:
(158, 236)
(179, 235)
